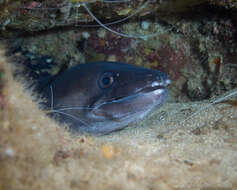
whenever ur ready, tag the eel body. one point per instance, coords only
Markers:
(102, 97)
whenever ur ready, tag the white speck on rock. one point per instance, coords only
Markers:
(9, 152)
(101, 33)
(85, 35)
(145, 25)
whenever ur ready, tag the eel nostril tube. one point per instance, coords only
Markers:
(168, 81)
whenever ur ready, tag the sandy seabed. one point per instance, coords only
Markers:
(161, 152)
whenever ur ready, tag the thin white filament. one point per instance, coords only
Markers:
(113, 31)
(51, 101)
(69, 115)
(208, 105)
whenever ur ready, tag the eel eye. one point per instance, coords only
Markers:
(106, 80)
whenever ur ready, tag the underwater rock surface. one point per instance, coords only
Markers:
(193, 41)
(196, 47)
(38, 15)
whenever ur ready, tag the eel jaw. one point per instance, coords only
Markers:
(156, 87)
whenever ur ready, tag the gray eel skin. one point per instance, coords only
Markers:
(102, 97)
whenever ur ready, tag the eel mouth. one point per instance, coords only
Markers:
(155, 87)
(150, 89)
